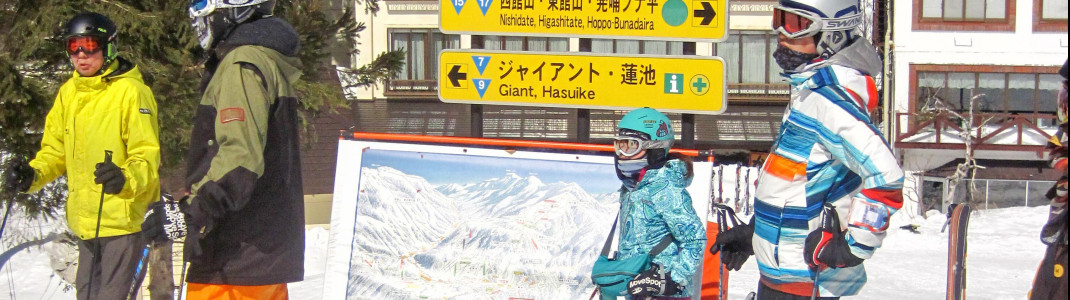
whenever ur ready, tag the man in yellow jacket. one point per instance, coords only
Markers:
(104, 106)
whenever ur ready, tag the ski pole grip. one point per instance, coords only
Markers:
(107, 155)
(829, 219)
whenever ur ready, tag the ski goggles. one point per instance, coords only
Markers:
(200, 8)
(630, 146)
(798, 23)
(87, 44)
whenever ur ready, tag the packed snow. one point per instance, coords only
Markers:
(1003, 253)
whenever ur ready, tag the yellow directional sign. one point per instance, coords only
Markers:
(690, 20)
(683, 84)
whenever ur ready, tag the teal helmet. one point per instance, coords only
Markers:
(647, 129)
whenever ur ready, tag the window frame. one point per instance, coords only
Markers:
(430, 80)
(687, 48)
(1046, 25)
(939, 24)
(480, 42)
(773, 89)
(915, 69)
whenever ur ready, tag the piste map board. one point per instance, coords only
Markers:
(672, 20)
(681, 84)
(410, 221)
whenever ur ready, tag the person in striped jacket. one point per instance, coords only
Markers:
(831, 182)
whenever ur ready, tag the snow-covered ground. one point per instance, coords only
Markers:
(1003, 253)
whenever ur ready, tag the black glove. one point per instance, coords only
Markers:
(19, 176)
(735, 245)
(827, 247)
(166, 220)
(111, 176)
(653, 282)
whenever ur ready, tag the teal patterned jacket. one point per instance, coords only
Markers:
(658, 206)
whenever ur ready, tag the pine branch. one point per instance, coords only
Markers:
(385, 66)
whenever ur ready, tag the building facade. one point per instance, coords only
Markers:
(998, 57)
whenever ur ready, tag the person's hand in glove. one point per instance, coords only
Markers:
(653, 282)
(735, 245)
(111, 176)
(827, 246)
(19, 175)
(168, 219)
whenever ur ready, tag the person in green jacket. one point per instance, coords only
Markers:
(104, 106)
(244, 215)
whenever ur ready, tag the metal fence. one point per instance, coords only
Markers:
(997, 193)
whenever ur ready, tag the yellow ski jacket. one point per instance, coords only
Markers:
(115, 112)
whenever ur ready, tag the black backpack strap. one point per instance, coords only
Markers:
(609, 239)
(653, 251)
(662, 245)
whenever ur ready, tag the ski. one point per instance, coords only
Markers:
(958, 221)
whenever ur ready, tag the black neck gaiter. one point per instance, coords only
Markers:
(789, 59)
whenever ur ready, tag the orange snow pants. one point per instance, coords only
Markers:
(199, 291)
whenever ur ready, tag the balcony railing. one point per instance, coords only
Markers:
(411, 88)
(991, 131)
(759, 91)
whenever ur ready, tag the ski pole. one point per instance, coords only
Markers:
(817, 278)
(6, 212)
(139, 272)
(96, 236)
(182, 285)
(725, 214)
(827, 225)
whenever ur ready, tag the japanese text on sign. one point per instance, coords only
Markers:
(662, 19)
(672, 83)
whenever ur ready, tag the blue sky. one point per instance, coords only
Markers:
(441, 169)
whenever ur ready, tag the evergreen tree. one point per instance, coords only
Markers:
(157, 36)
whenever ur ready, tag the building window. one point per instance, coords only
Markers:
(519, 43)
(1053, 10)
(964, 10)
(749, 57)
(637, 47)
(995, 91)
(604, 124)
(752, 73)
(1050, 15)
(964, 15)
(540, 123)
(421, 58)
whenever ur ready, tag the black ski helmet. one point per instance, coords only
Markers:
(97, 26)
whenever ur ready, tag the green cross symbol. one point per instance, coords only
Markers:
(699, 85)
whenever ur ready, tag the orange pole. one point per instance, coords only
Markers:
(496, 142)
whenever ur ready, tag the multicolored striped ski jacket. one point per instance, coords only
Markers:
(660, 206)
(827, 150)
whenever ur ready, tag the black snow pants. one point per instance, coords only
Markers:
(1050, 281)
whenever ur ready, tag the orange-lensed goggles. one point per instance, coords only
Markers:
(87, 44)
(793, 24)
